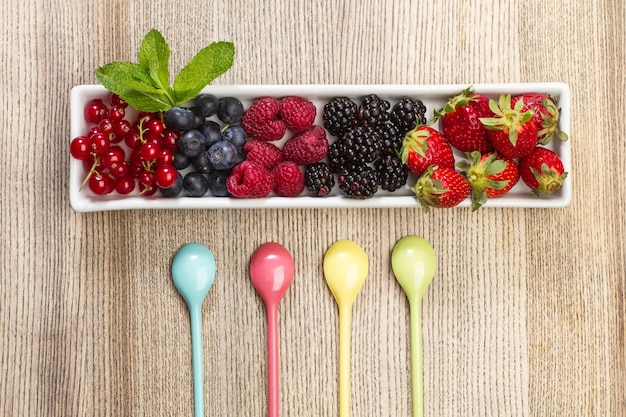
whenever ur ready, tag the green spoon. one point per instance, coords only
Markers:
(345, 268)
(193, 271)
(414, 263)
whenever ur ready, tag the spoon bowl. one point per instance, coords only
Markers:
(193, 273)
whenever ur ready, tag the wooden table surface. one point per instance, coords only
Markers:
(525, 316)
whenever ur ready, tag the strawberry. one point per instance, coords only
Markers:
(460, 122)
(262, 120)
(307, 147)
(441, 187)
(542, 170)
(423, 147)
(249, 179)
(512, 132)
(298, 113)
(288, 179)
(490, 176)
(546, 115)
(264, 153)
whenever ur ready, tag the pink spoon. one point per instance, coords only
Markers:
(271, 270)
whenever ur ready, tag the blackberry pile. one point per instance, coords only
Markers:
(369, 137)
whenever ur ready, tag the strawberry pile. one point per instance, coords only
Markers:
(503, 141)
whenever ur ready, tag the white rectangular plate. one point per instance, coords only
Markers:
(433, 96)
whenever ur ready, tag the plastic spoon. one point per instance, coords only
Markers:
(414, 263)
(345, 268)
(193, 271)
(271, 270)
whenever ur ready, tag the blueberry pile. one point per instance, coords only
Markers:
(209, 147)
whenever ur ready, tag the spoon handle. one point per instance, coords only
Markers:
(272, 360)
(417, 369)
(196, 349)
(345, 316)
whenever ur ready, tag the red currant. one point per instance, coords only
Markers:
(117, 113)
(146, 177)
(95, 111)
(122, 128)
(113, 157)
(165, 176)
(93, 163)
(106, 126)
(120, 170)
(165, 156)
(149, 151)
(100, 143)
(101, 183)
(152, 137)
(147, 190)
(170, 138)
(133, 138)
(155, 126)
(115, 100)
(125, 185)
(80, 147)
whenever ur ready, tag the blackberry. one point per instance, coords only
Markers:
(392, 172)
(362, 144)
(361, 182)
(407, 113)
(392, 138)
(339, 115)
(373, 111)
(319, 179)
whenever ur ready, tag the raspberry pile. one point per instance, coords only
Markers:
(267, 166)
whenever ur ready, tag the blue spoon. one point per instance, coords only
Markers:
(193, 271)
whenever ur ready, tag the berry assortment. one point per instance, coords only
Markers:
(473, 147)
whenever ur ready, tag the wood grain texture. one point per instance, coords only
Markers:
(525, 316)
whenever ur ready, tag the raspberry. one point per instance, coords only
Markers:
(249, 179)
(298, 113)
(261, 121)
(288, 179)
(264, 153)
(308, 147)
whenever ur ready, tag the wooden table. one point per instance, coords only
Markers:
(526, 313)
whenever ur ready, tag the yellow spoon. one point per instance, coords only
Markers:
(414, 263)
(345, 268)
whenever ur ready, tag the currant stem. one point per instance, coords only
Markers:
(91, 171)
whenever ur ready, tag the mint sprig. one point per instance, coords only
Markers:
(146, 85)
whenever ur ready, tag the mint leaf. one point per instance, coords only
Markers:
(134, 85)
(208, 64)
(154, 54)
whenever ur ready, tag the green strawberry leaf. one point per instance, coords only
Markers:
(208, 64)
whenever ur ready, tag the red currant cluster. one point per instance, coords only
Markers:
(109, 168)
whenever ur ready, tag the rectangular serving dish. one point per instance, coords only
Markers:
(433, 96)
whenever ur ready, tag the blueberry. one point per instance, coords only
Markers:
(197, 120)
(181, 161)
(202, 163)
(235, 135)
(175, 189)
(212, 131)
(217, 183)
(206, 105)
(180, 118)
(223, 155)
(195, 184)
(192, 143)
(229, 110)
